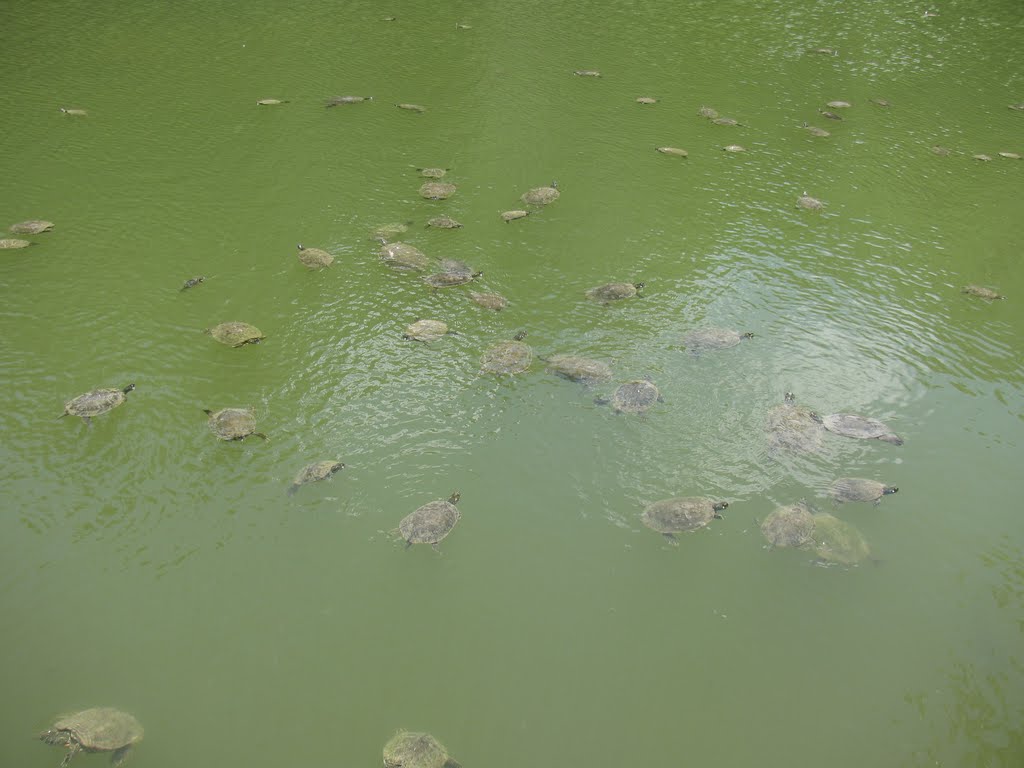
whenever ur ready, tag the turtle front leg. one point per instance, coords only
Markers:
(73, 749)
(87, 420)
(120, 755)
(671, 539)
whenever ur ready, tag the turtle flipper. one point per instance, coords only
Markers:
(120, 755)
(73, 749)
(452, 763)
(87, 420)
(261, 435)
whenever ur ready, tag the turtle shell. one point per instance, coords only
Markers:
(391, 230)
(314, 258)
(426, 330)
(430, 523)
(676, 151)
(494, 301)
(789, 526)
(96, 402)
(411, 107)
(635, 396)
(646, 100)
(681, 514)
(437, 190)
(336, 101)
(613, 292)
(236, 334)
(836, 541)
(13, 242)
(852, 425)
(708, 112)
(809, 203)
(734, 148)
(586, 73)
(859, 489)
(444, 222)
(30, 227)
(449, 279)
(794, 428)
(541, 195)
(816, 131)
(311, 473)
(233, 423)
(507, 357)
(403, 256)
(581, 369)
(982, 292)
(101, 729)
(704, 339)
(513, 215)
(408, 749)
(839, 104)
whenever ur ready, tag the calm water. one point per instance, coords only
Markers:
(149, 566)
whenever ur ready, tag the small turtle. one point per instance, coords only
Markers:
(494, 301)
(412, 107)
(311, 473)
(444, 222)
(271, 102)
(674, 151)
(235, 334)
(941, 151)
(426, 331)
(794, 428)
(407, 749)
(809, 203)
(671, 516)
(859, 489)
(881, 102)
(403, 256)
(541, 195)
(852, 425)
(337, 101)
(391, 230)
(724, 121)
(1019, 106)
(437, 190)
(982, 292)
(30, 227)
(982, 157)
(581, 369)
(708, 112)
(314, 258)
(839, 104)
(1011, 155)
(74, 112)
(789, 526)
(462, 25)
(7, 243)
(94, 403)
(586, 73)
(430, 523)
(192, 282)
(636, 396)
(100, 729)
(734, 148)
(825, 51)
(432, 173)
(508, 216)
(815, 130)
(389, 18)
(233, 423)
(704, 339)
(835, 541)
(507, 357)
(646, 100)
(829, 115)
(613, 292)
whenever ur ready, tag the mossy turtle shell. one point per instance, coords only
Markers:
(680, 514)
(30, 227)
(236, 334)
(859, 489)
(862, 427)
(312, 473)
(233, 423)
(789, 526)
(96, 402)
(426, 330)
(407, 749)
(836, 541)
(581, 369)
(101, 729)
(507, 357)
(704, 339)
(403, 256)
(430, 523)
(635, 396)
(314, 258)
(541, 195)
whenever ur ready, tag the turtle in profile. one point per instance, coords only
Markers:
(725, 121)
(636, 396)
(30, 227)
(311, 473)
(10, 243)
(437, 190)
(862, 427)
(541, 195)
(835, 541)
(407, 749)
(507, 357)
(430, 523)
(828, 115)
(705, 339)
(859, 489)
(411, 107)
(671, 516)
(674, 151)
(707, 112)
(433, 173)
(100, 729)
(192, 282)
(839, 104)
(403, 256)
(816, 131)
(586, 73)
(508, 216)
(646, 100)
(96, 402)
(314, 258)
(613, 292)
(74, 111)
(235, 334)
(233, 423)
(581, 369)
(794, 428)
(391, 230)
(271, 102)
(426, 331)
(494, 301)
(982, 292)
(809, 203)
(789, 526)
(734, 148)
(337, 101)
(444, 222)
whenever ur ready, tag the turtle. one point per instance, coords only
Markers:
(982, 157)
(541, 195)
(829, 115)
(646, 100)
(337, 101)
(881, 102)
(437, 190)
(859, 489)
(835, 541)
(704, 339)
(391, 230)
(314, 258)
(30, 227)
(708, 112)
(311, 473)
(677, 515)
(462, 25)
(271, 102)
(494, 301)
(825, 51)
(74, 111)
(453, 272)
(789, 526)
(403, 256)
(941, 151)
(192, 282)
(852, 425)
(839, 104)
(444, 222)
(982, 292)
(794, 428)
(1011, 155)
(636, 396)
(815, 130)
(586, 73)
(508, 216)
(411, 107)
(95, 402)
(430, 523)
(613, 292)
(235, 334)
(507, 357)
(426, 331)
(407, 749)
(100, 729)
(1019, 106)
(10, 243)
(433, 173)
(674, 151)
(809, 203)
(457, 267)
(389, 18)
(725, 121)
(576, 368)
(734, 148)
(233, 423)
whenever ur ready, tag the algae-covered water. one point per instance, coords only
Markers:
(148, 566)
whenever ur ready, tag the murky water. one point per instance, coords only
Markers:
(149, 566)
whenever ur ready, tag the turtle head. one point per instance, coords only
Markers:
(301, 247)
(207, 411)
(639, 286)
(128, 389)
(892, 438)
(338, 467)
(554, 184)
(889, 489)
(747, 335)
(815, 416)
(454, 498)
(520, 336)
(790, 397)
(719, 506)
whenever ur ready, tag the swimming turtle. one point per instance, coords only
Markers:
(431, 522)
(513, 215)
(444, 222)
(839, 104)
(724, 121)
(453, 272)
(734, 148)
(432, 173)
(646, 100)
(235, 334)
(836, 541)
(576, 368)
(403, 256)
(437, 190)
(674, 151)
(233, 423)
(74, 111)
(881, 102)
(494, 301)
(794, 428)
(859, 489)
(825, 51)
(704, 339)
(586, 73)
(271, 102)
(809, 203)
(635, 396)
(982, 157)
(1018, 106)
(827, 114)
(391, 230)
(708, 112)
(941, 151)
(14, 242)
(426, 331)
(1011, 155)
(100, 729)
(852, 425)
(407, 749)
(314, 258)
(336, 101)
(30, 227)
(411, 107)
(507, 357)
(671, 516)
(789, 526)
(816, 131)
(311, 473)
(192, 282)
(95, 402)
(982, 292)
(541, 195)
(613, 292)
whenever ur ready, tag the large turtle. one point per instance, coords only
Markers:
(507, 356)
(836, 541)
(30, 227)
(671, 516)
(859, 489)
(74, 111)
(839, 104)
(645, 100)
(852, 425)
(789, 526)
(95, 402)
(337, 101)
(982, 292)
(635, 396)
(235, 334)
(100, 729)
(494, 301)
(444, 222)
(437, 190)
(431, 522)
(391, 230)
(581, 369)
(613, 292)
(14, 242)
(408, 749)
(233, 423)
(704, 339)
(314, 258)
(794, 428)
(541, 195)
(426, 331)
(708, 112)
(403, 256)
(311, 473)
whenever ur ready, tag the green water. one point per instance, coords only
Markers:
(148, 566)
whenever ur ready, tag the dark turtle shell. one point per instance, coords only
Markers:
(312, 473)
(233, 423)
(30, 227)
(430, 523)
(637, 396)
(100, 729)
(96, 402)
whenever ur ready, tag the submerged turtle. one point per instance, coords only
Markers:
(794, 428)
(839, 104)
(311, 473)
(426, 331)
(734, 148)
(581, 369)
(411, 107)
(724, 121)
(192, 282)
(30, 227)
(982, 157)
(494, 301)
(437, 190)
(403, 256)
(613, 292)
(941, 151)
(432, 173)
(100, 729)
(507, 357)
(881, 102)
(646, 100)
(836, 541)
(236, 334)
(8, 243)
(982, 292)
(431, 522)
(815, 130)
(636, 396)
(96, 402)
(789, 526)
(671, 516)
(391, 230)
(513, 215)
(453, 272)
(809, 203)
(336, 101)
(541, 195)
(852, 425)
(1011, 155)
(859, 489)
(586, 73)
(407, 749)
(675, 151)
(271, 102)
(314, 258)
(74, 111)
(829, 115)
(233, 423)
(708, 112)
(444, 222)
(704, 339)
